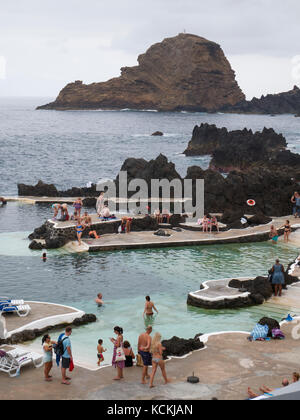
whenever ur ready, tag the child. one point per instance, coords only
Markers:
(100, 350)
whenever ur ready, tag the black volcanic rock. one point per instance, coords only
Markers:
(271, 190)
(281, 103)
(39, 190)
(159, 168)
(179, 346)
(271, 323)
(240, 149)
(258, 287)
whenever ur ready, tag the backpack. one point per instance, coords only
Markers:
(59, 348)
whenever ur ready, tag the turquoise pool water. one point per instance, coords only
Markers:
(126, 277)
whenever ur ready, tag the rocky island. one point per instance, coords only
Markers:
(242, 150)
(185, 72)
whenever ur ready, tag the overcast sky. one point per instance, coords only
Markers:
(46, 44)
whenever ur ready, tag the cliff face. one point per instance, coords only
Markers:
(185, 72)
(280, 103)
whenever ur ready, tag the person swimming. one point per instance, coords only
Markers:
(274, 234)
(3, 201)
(99, 300)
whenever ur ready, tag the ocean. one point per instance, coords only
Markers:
(74, 148)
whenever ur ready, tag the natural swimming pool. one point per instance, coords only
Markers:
(125, 278)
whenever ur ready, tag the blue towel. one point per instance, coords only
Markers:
(260, 331)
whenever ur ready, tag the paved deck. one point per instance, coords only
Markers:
(41, 315)
(219, 290)
(147, 239)
(226, 368)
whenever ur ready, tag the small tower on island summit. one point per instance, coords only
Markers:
(3, 330)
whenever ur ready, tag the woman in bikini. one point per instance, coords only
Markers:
(157, 359)
(79, 230)
(205, 223)
(287, 230)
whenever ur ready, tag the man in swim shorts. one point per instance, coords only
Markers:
(144, 345)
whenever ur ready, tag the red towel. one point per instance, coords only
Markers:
(71, 365)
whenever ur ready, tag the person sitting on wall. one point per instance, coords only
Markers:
(165, 216)
(105, 213)
(214, 222)
(126, 224)
(93, 234)
(157, 215)
(87, 220)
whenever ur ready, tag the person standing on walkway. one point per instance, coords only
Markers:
(48, 356)
(157, 359)
(278, 277)
(67, 357)
(100, 203)
(287, 230)
(118, 360)
(144, 345)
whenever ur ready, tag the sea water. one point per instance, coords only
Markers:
(73, 148)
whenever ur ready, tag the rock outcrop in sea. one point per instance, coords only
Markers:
(280, 103)
(185, 72)
(242, 150)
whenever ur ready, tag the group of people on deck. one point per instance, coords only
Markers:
(208, 223)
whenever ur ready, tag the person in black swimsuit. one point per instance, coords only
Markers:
(287, 230)
(128, 354)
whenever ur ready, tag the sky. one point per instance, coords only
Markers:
(46, 44)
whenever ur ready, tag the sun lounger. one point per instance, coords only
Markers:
(13, 361)
(11, 302)
(21, 310)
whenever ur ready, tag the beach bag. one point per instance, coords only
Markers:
(139, 361)
(260, 332)
(277, 334)
(71, 368)
(120, 355)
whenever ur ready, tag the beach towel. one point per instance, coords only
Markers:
(260, 332)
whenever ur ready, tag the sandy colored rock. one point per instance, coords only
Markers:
(185, 72)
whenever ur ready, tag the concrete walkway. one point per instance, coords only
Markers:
(226, 368)
(147, 239)
(41, 315)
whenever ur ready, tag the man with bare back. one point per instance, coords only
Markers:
(144, 345)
